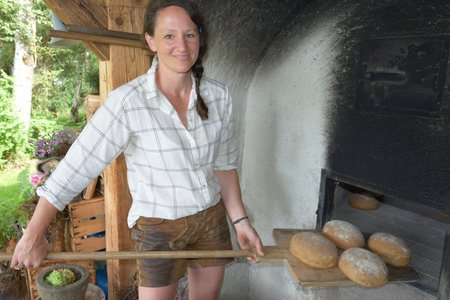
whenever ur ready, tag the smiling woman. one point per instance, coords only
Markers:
(175, 128)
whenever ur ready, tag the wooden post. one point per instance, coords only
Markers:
(125, 64)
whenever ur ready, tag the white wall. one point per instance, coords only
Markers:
(284, 143)
(283, 154)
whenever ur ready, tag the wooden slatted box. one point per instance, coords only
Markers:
(87, 224)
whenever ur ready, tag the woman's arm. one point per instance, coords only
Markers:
(32, 246)
(247, 236)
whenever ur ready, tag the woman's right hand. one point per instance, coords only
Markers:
(33, 247)
(30, 251)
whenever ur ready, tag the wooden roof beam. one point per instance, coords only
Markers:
(103, 38)
(86, 13)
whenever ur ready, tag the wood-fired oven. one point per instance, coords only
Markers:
(425, 230)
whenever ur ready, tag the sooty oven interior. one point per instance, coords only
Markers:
(424, 230)
(390, 138)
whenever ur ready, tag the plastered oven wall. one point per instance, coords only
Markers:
(285, 143)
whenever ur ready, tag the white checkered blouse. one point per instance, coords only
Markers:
(170, 167)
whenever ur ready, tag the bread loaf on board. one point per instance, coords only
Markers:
(390, 248)
(343, 234)
(363, 267)
(314, 250)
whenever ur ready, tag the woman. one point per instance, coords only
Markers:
(175, 129)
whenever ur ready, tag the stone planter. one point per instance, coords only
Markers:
(73, 291)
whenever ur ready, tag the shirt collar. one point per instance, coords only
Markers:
(152, 89)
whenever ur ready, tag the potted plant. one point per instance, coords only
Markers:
(63, 281)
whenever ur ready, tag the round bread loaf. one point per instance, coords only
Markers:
(344, 234)
(314, 249)
(363, 267)
(363, 201)
(390, 248)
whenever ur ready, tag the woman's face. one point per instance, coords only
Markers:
(176, 40)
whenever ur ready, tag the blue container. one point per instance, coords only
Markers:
(102, 280)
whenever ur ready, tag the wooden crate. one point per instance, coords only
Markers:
(86, 223)
(33, 273)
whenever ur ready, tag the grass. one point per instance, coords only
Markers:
(14, 192)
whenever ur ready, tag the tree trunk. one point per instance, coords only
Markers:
(77, 97)
(76, 102)
(24, 64)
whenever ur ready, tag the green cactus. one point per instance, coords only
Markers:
(60, 277)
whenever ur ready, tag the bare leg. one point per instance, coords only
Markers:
(159, 293)
(205, 283)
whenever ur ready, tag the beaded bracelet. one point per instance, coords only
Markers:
(240, 219)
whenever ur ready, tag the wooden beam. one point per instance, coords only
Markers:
(84, 13)
(105, 32)
(87, 13)
(102, 39)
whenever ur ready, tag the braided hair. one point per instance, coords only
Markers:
(194, 12)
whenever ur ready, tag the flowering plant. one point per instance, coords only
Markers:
(56, 145)
(36, 178)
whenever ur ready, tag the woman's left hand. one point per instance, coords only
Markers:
(248, 239)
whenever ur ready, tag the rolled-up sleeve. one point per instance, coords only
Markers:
(227, 154)
(100, 142)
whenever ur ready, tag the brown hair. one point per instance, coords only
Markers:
(194, 12)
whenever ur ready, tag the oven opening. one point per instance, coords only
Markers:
(423, 229)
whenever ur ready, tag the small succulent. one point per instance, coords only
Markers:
(60, 277)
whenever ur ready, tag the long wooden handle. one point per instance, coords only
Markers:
(270, 253)
(139, 255)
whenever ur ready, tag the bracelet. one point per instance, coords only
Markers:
(240, 219)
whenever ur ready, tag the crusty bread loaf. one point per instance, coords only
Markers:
(390, 248)
(363, 201)
(343, 234)
(363, 267)
(314, 249)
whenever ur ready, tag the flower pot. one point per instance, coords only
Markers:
(73, 291)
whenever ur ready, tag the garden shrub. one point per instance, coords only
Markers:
(12, 135)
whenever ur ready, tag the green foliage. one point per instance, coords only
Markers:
(6, 56)
(9, 26)
(60, 70)
(60, 277)
(58, 73)
(12, 135)
(14, 192)
(6, 86)
(26, 189)
(15, 22)
(41, 126)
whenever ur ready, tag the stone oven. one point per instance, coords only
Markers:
(327, 103)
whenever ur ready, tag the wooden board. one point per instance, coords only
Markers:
(309, 276)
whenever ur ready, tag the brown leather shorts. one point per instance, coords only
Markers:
(206, 230)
